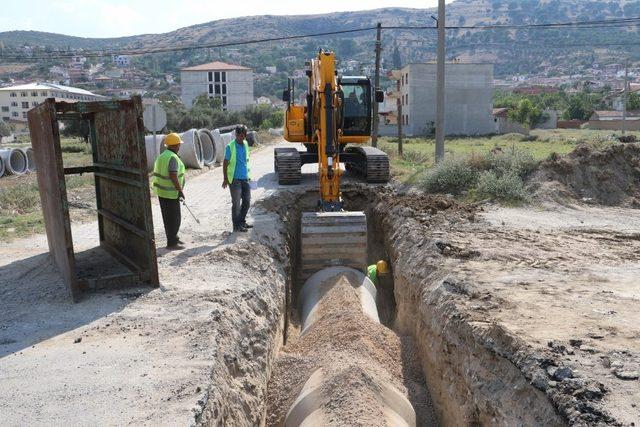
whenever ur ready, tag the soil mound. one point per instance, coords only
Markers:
(609, 176)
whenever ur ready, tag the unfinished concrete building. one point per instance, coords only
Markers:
(231, 84)
(468, 99)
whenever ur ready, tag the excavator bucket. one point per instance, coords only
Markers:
(331, 239)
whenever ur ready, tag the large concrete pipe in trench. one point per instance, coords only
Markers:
(191, 149)
(15, 161)
(208, 147)
(310, 407)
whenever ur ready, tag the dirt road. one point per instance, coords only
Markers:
(143, 356)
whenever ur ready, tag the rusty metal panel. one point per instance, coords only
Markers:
(122, 184)
(45, 140)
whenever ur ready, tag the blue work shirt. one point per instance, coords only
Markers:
(241, 161)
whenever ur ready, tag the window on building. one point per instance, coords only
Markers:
(25, 105)
(6, 118)
(210, 88)
(406, 78)
(216, 76)
(23, 94)
(43, 93)
(5, 108)
(13, 94)
(14, 114)
(34, 93)
(224, 76)
(217, 89)
(210, 75)
(14, 104)
(34, 104)
(224, 89)
(407, 100)
(224, 101)
(24, 114)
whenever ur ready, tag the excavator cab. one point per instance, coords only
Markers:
(356, 106)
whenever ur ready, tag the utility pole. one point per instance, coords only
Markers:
(399, 104)
(376, 84)
(440, 88)
(626, 97)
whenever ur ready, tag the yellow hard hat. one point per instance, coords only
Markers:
(172, 139)
(382, 267)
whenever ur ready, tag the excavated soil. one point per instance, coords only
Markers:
(356, 355)
(609, 176)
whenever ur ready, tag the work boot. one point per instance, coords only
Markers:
(245, 225)
(175, 247)
(241, 229)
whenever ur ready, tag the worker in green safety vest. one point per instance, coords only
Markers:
(378, 271)
(168, 183)
(236, 176)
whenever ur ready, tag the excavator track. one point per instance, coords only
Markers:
(287, 165)
(372, 164)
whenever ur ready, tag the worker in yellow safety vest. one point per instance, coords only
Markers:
(378, 271)
(236, 176)
(168, 183)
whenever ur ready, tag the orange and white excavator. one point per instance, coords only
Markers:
(337, 112)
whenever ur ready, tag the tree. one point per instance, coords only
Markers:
(5, 129)
(397, 61)
(633, 102)
(527, 114)
(77, 127)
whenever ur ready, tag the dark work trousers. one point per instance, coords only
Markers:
(240, 201)
(171, 218)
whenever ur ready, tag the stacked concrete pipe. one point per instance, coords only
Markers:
(31, 159)
(1, 167)
(15, 161)
(208, 146)
(311, 406)
(226, 139)
(191, 149)
(218, 145)
(152, 149)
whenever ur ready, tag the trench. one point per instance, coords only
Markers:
(451, 372)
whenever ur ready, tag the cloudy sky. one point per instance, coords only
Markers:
(113, 18)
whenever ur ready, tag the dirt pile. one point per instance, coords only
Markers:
(609, 176)
(356, 356)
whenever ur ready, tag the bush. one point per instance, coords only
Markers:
(518, 162)
(74, 148)
(415, 157)
(506, 188)
(21, 198)
(453, 175)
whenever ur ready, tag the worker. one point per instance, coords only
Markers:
(168, 183)
(378, 271)
(236, 175)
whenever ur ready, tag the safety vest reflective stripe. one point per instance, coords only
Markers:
(231, 167)
(161, 181)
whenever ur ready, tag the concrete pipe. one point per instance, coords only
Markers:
(191, 149)
(153, 149)
(208, 147)
(218, 145)
(321, 282)
(252, 138)
(226, 139)
(31, 159)
(15, 161)
(1, 167)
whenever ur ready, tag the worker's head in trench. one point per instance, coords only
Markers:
(241, 133)
(173, 142)
(382, 269)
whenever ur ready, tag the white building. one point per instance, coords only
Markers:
(232, 84)
(121, 60)
(15, 101)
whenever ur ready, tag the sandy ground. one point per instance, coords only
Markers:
(140, 356)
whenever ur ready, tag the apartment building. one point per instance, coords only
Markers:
(232, 84)
(15, 101)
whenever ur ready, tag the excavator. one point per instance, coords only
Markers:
(334, 124)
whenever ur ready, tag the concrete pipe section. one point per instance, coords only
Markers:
(153, 149)
(1, 167)
(317, 403)
(31, 159)
(15, 161)
(191, 149)
(208, 147)
(218, 145)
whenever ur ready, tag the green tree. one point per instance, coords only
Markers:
(527, 114)
(5, 129)
(633, 102)
(76, 127)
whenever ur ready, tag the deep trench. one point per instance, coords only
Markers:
(455, 369)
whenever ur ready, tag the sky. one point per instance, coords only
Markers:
(115, 18)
